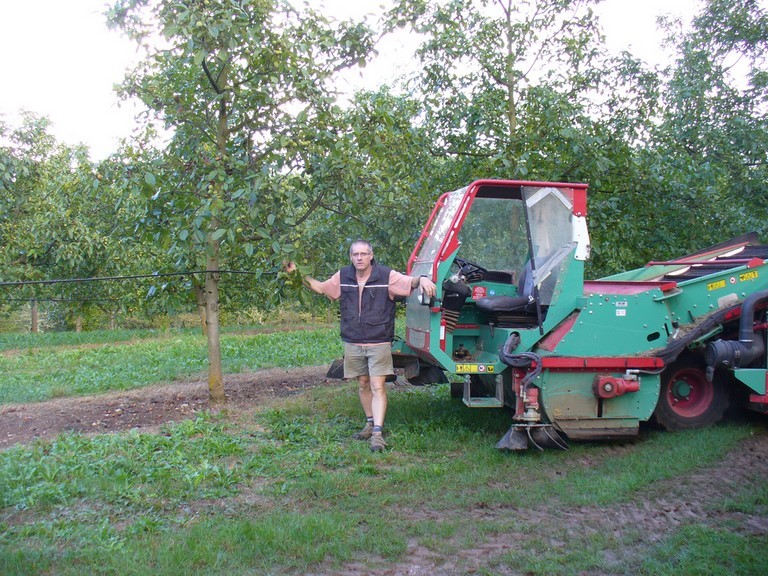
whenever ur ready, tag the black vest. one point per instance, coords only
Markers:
(371, 321)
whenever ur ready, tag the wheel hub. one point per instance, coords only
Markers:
(681, 390)
(689, 399)
(689, 393)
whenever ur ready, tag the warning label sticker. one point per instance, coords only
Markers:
(474, 368)
(479, 292)
(716, 285)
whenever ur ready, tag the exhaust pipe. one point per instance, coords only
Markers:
(732, 354)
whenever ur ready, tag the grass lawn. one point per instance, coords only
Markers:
(41, 367)
(281, 488)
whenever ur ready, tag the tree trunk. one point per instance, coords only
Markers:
(215, 373)
(35, 317)
(200, 297)
(78, 324)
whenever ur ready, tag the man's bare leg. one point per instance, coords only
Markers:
(366, 395)
(366, 399)
(377, 387)
(379, 409)
(372, 391)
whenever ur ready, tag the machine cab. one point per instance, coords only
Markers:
(499, 252)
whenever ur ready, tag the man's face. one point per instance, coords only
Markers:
(361, 256)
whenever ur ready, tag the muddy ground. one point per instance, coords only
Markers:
(642, 522)
(148, 408)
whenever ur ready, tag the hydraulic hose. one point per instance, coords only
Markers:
(741, 353)
(746, 322)
(522, 360)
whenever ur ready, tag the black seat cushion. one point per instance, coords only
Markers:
(495, 304)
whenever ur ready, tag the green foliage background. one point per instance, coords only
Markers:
(247, 153)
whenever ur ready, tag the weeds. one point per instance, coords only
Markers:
(207, 495)
(47, 371)
(284, 490)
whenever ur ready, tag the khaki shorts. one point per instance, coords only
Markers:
(373, 360)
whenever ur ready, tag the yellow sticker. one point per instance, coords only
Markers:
(716, 285)
(474, 368)
(751, 275)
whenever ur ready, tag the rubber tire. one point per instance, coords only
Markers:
(704, 404)
(428, 374)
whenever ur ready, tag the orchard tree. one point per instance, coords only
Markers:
(704, 158)
(527, 90)
(22, 152)
(57, 221)
(243, 93)
(24, 170)
(379, 183)
(505, 84)
(714, 137)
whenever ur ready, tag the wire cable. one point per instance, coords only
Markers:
(115, 278)
(59, 300)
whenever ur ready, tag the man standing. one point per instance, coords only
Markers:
(366, 291)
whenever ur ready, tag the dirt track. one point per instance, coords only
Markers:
(147, 408)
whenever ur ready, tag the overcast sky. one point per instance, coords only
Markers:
(60, 61)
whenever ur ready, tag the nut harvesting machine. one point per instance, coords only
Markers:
(516, 325)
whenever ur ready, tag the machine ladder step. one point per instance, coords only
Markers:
(496, 401)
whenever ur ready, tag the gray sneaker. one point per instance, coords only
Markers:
(377, 443)
(365, 433)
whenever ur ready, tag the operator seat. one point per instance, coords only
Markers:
(524, 302)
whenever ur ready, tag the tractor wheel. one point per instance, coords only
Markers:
(687, 399)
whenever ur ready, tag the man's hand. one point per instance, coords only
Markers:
(427, 286)
(293, 276)
(293, 270)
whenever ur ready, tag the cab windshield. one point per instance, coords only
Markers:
(494, 233)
